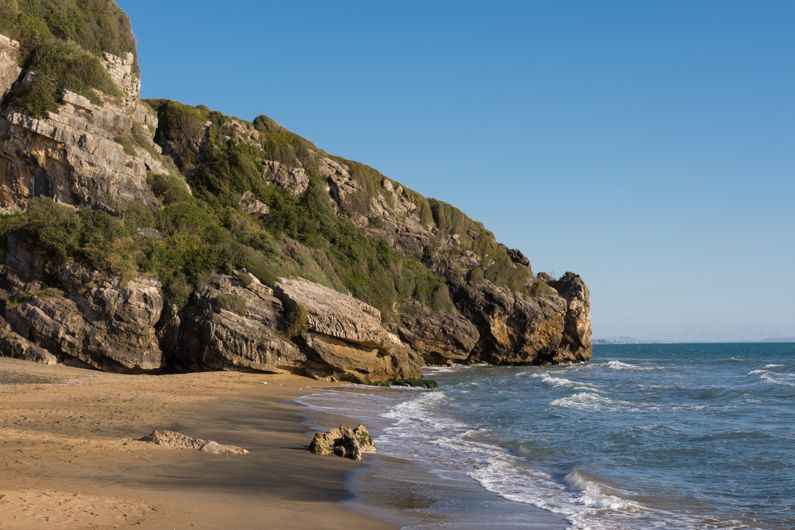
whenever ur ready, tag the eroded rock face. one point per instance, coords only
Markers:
(16, 347)
(251, 205)
(103, 322)
(294, 180)
(441, 338)
(9, 64)
(343, 441)
(576, 345)
(344, 337)
(85, 154)
(339, 182)
(235, 324)
(515, 328)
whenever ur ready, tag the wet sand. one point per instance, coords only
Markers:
(69, 458)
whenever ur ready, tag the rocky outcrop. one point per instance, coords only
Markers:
(576, 345)
(95, 154)
(103, 322)
(9, 64)
(16, 347)
(515, 328)
(523, 324)
(294, 180)
(344, 337)
(251, 205)
(177, 440)
(517, 256)
(343, 441)
(235, 323)
(441, 338)
(110, 327)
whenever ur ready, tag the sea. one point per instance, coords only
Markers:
(644, 436)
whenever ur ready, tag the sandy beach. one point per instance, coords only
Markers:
(71, 459)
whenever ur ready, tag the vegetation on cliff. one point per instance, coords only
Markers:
(300, 235)
(195, 234)
(62, 43)
(212, 196)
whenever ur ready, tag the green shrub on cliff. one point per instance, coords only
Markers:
(300, 235)
(232, 302)
(91, 236)
(98, 26)
(62, 43)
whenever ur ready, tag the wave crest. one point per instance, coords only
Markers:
(601, 496)
(618, 365)
(777, 378)
(592, 402)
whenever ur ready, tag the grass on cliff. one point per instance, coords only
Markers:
(301, 236)
(181, 244)
(62, 42)
(194, 235)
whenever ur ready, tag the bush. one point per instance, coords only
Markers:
(62, 43)
(300, 236)
(96, 25)
(297, 321)
(90, 236)
(541, 288)
(232, 302)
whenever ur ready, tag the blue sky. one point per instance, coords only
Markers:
(649, 146)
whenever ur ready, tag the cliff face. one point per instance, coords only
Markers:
(85, 154)
(202, 241)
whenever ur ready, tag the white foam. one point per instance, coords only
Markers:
(433, 370)
(774, 366)
(562, 382)
(422, 431)
(596, 495)
(592, 402)
(777, 378)
(618, 365)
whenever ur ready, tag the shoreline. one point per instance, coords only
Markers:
(406, 487)
(71, 459)
(69, 438)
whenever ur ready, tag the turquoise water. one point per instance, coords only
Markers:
(646, 436)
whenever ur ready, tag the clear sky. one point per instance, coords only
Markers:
(649, 146)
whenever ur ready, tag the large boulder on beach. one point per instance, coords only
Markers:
(343, 441)
(344, 338)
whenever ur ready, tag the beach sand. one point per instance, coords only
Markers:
(69, 458)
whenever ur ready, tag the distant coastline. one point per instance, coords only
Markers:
(633, 340)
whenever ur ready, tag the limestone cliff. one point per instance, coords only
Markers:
(86, 154)
(143, 235)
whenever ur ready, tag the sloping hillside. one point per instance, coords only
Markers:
(140, 235)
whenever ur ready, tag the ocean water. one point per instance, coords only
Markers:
(645, 436)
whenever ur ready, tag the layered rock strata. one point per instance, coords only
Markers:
(344, 337)
(85, 154)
